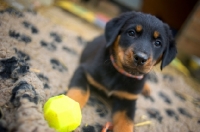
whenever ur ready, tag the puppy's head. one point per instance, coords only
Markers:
(139, 41)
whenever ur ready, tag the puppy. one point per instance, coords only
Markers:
(118, 63)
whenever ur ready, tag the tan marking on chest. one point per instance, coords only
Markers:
(119, 94)
(95, 83)
(123, 95)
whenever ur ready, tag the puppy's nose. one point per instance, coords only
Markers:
(140, 58)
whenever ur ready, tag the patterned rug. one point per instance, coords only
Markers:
(37, 60)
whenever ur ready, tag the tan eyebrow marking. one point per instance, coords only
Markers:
(156, 34)
(138, 28)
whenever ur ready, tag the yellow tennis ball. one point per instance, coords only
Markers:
(62, 113)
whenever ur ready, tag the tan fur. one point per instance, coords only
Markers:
(148, 65)
(156, 34)
(79, 95)
(121, 123)
(118, 51)
(120, 94)
(146, 90)
(123, 95)
(95, 83)
(138, 28)
(129, 56)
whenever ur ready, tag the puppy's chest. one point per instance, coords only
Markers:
(121, 87)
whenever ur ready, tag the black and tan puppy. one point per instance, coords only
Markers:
(118, 63)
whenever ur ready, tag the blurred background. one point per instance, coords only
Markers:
(88, 18)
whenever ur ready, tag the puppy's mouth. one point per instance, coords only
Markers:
(131, 67)
(134, 71)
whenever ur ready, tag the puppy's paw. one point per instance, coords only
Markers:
(122, 123)
(146, 90)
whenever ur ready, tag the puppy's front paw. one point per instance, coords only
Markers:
(146, 90)
(122, 123)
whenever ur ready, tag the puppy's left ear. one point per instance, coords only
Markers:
(170, 51)
(114, 26)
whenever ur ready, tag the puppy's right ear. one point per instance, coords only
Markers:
(170, 50)
(114, 25)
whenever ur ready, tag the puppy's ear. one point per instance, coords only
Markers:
(114, 25)
(170, 51)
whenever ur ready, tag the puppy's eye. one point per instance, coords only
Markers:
(132, 33)
(157, 43)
